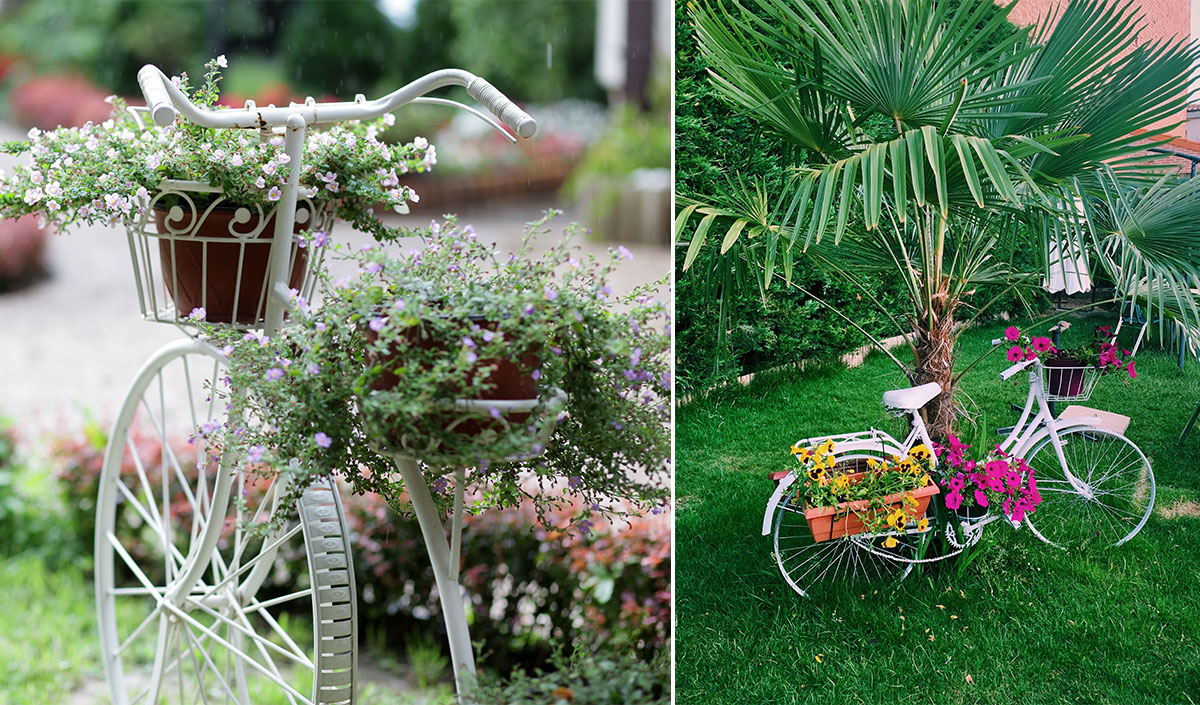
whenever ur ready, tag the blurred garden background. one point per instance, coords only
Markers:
(594, 73)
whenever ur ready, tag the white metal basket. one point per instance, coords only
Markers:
(192, 248)
(1073, 383)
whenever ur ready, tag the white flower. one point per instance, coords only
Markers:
(52, 205)
(222, 61)
(274, 194)
(283, 158)
(236, 160)
(389, 119)
(153, 161)
(218, 155)
(270, 168)
(34, 133)
(33, 195)
(53, 189)
(142, 193)
(412, 196)
(36, 177)
(420, 142)
(261, 183)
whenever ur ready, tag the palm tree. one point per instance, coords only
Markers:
(943, 141)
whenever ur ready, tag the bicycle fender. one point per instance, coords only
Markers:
(776, 497)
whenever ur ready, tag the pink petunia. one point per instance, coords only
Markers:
(1130, 370)
(1030, 354)
(956, 483)
(1015, 353)
(1043, 344)
(981, 498)
(1011, 334)
(953, 500)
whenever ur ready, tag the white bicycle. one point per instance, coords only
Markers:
(193, 608)
(1097, 486)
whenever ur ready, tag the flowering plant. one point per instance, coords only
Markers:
(382, 360)
(1098, 353)
(821, 486)
(106, 173)
(998, 480)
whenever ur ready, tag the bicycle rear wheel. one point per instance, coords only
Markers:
(270, 617)
(815, 567)
(1115, 494)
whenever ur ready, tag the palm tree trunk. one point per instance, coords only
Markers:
(934, 362)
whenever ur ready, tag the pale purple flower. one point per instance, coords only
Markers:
(536, 374)
(274, 194)
(198, 314)
(210, 427)
(372, 267)
(399, 305)
(322, 439)
(468, 343)
(273, 374)
(624, 252)
(255, 454)
(261, 183)
(551, 294)
(494, 412)
(471, 356)
(377, 324)
(270, 168)
(314, 368)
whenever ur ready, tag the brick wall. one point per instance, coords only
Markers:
(1161, 19)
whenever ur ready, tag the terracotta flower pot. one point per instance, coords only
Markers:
(511, 379)
(1064, 377)
(827, 523)
(201, 270)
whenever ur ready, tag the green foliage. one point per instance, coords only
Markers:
(342, 48)
(107, 41)
(586, 677)
(540, 51)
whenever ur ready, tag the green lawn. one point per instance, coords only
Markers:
(1024, 624)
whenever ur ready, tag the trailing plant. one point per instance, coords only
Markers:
(108, 173)
(379, 365)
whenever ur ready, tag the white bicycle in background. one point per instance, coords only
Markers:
(192, 608)
(1097, 486)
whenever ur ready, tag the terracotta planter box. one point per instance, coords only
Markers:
(200, 272)
(827, 523)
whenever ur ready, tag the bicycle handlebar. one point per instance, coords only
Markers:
(1016, 368)
(500, 106)
(166, 101)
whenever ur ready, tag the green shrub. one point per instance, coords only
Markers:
(586, 677)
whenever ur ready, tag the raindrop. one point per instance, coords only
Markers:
(549, 55)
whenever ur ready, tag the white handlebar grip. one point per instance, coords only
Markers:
(502, 107)
(1015, 369)
(997, 341)
(161, 109)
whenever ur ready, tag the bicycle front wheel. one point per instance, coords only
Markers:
(1110, 499)
(193, 606)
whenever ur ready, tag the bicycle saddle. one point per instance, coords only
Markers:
(911, 398)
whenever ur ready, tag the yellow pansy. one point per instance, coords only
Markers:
(923, 524)
(920, 452)
(815, 472)
(896, 520)
(925, 480)
(890, 542)
(841, 483)
(828, 446)
(872, 463)
(796, 450)
(907, 465)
